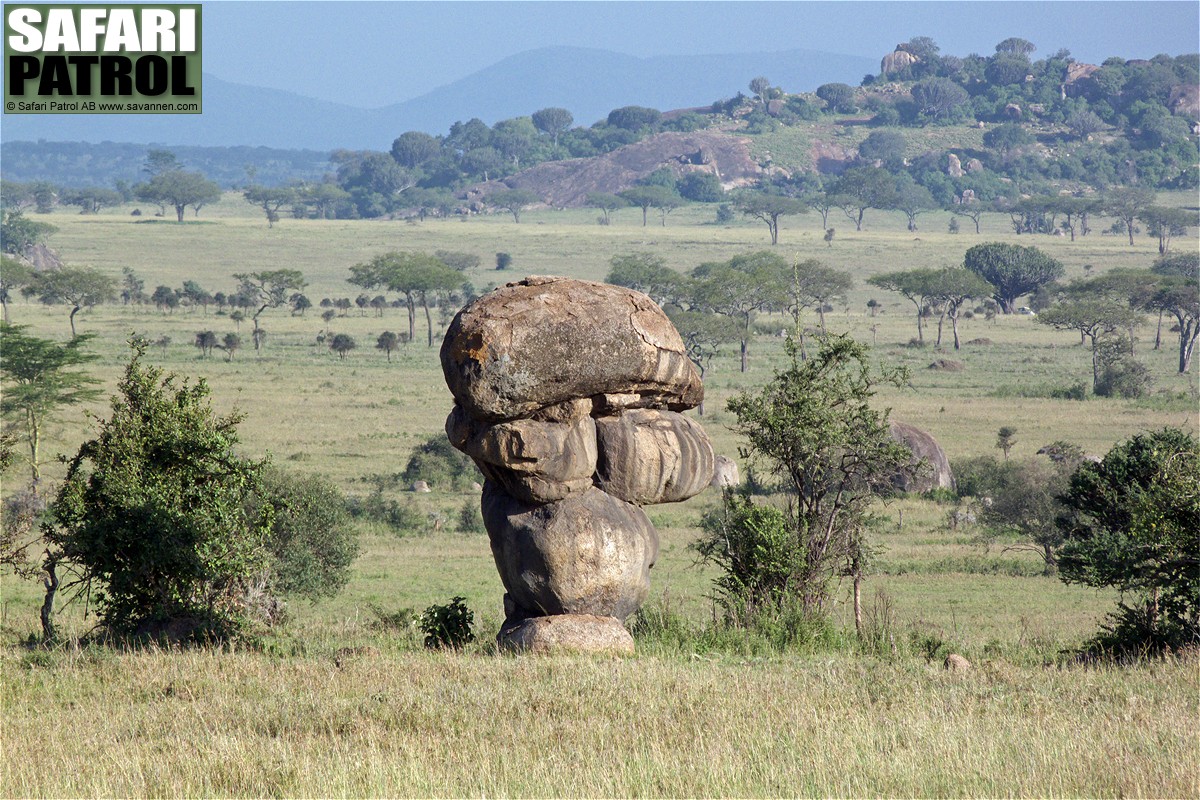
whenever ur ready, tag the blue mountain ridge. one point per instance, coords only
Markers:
(588, 82)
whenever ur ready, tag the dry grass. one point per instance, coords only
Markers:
(244, 724)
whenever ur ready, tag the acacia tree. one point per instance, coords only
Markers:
(606, 204)
(823, 203)
(703, 336)
(269, 289)
(814, 285)
(1180, 297)
(205, 342)
(231, 344)
(860, 188)
(768, 208)
(919, 286)
(1094, 318)
(341, 344)
(387, 342)
(39, 380)
(812, 428)
(1013, 270)
(740, 287)
(514, 201)
(13, 275)
(1126, 203)
(647, 197)
(1166, 223)
(955, 286)
(78, 287)
(415, 275)
(1024, 504)
(913, 199)
(649, 274)
(972, 210)
(179, 189)
(1075, 211)
(270, 200)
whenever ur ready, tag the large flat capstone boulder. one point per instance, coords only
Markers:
(546, 340)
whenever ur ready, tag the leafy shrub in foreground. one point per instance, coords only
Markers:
(153, 511)
(1131, 524)
(448, 625)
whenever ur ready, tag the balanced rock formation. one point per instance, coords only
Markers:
(567, 395)
(934, 473)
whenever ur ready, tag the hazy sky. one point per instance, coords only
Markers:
(371, 54)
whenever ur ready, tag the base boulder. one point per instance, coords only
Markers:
(566, 633)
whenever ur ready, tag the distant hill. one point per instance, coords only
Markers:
(588, 82)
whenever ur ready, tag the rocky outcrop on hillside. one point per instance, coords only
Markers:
(1185, 101)
(894, 62)
(1075, 81)
(565, 184)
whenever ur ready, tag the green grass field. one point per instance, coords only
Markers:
(384, 718)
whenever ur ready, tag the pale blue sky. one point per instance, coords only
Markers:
(371, 54)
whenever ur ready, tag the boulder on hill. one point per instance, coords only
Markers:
(896, 61)
(1185, 101)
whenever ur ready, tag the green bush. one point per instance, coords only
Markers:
(312, 542)
(400, 517)
(439, 464)
(470, 518)
(1126, 378)
(1131, 524)
(448, 625)
(756, 553)
(152, 513)
(1054, 391)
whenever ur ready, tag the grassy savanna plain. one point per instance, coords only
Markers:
(343, 700)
